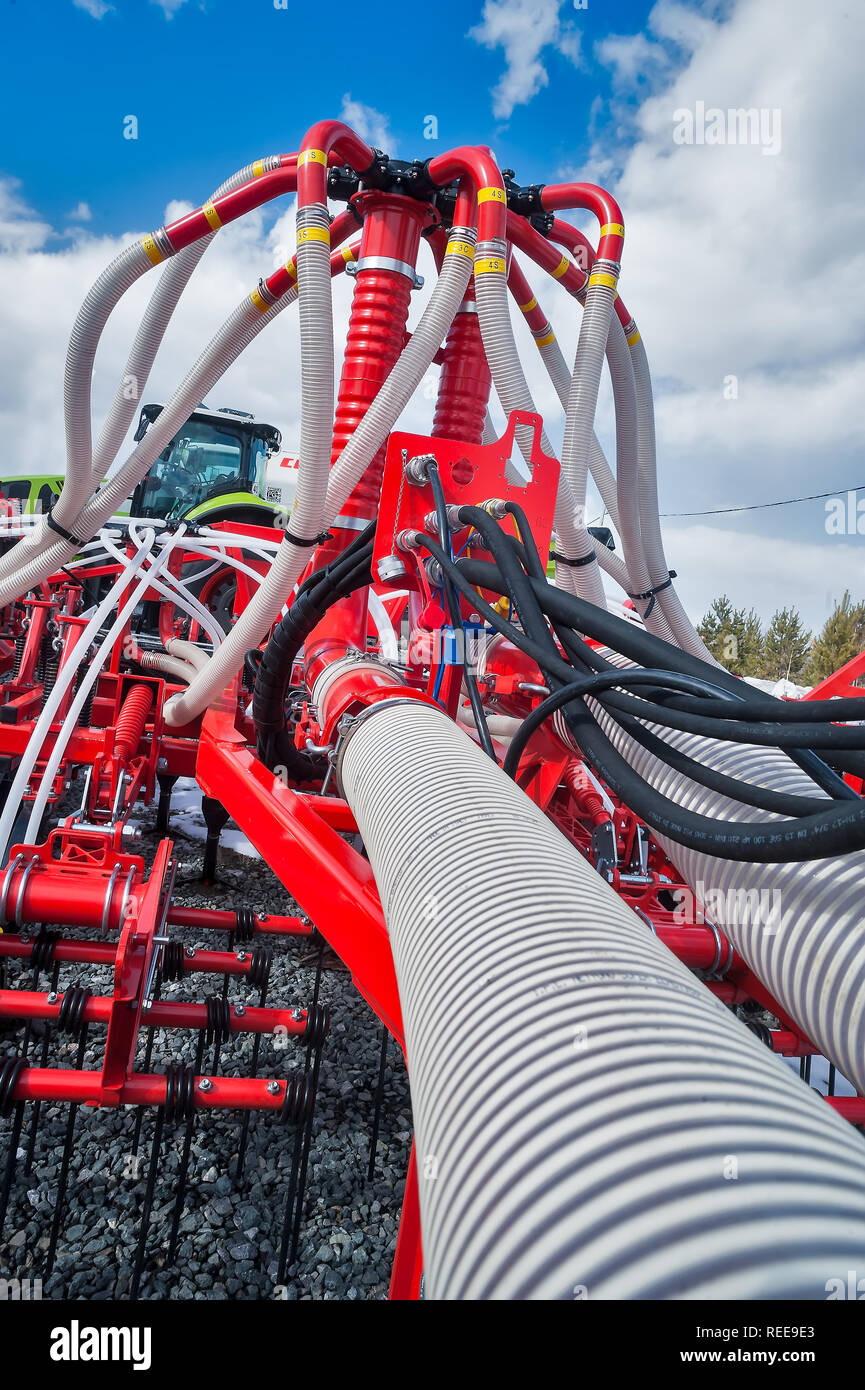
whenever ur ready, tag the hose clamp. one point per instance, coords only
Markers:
(349, 725)
(386, 263)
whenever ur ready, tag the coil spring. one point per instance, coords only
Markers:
(259, 967)
(20, 644)
(244, 927)
(42, 950)
(179, 1092)
(761, 1031)
(70, 1018)
(49, 676)
(317, 1025)
(218, 1028)
(10, 1070)
(298, 1099)
(171, 967)
(85, 714)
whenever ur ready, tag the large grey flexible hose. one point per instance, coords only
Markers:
(801, 927)
(589, 1121)
(685, 634)
(380, 418)
(172, 282)
(513, 392)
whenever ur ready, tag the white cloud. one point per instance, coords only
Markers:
(747, 266)
(35, 326)
(97, 8)
(762, 572)
(81, 213)
(20, 229)
(523, 29)
(370, 124)
(169, 7)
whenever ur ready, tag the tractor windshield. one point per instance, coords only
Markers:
(201, 462)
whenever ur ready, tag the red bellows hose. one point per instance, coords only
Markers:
(131, 720)
(464, 385)
(389, 245)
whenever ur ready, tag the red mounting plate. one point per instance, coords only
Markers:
(470, 474)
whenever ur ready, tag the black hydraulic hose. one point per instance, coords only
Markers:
(453, 603)
(274, 743)
(763, 798)
(838, 830)
(585, 658)
(647, 650)
(587, 685)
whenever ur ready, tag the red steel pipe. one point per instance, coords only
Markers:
(163, 1013)
(85, 1087)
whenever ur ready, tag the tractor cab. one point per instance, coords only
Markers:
(214, 469)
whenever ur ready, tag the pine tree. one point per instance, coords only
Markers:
(734, 637)
(842, 638)
(786, 646)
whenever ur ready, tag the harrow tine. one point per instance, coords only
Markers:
(260, 968)
(63, 1178)
(379, 1096)
(183, 1172)
(43, 956)
(10, 1070)
(148, 1054)
(830, 1088)
(304, 1158)
(147, 1206)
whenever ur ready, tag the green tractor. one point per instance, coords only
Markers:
(214, 469)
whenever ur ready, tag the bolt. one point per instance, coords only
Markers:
(297, 1015)
(205, 1084)
(240, 1010)
(241, 955)
(190, 951)
(161, 764)
(274, 1088)
(53, 997)
(261, 916)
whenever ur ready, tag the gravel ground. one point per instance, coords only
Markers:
(230, 1232)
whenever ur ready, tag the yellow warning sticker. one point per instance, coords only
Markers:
(492, 195)
(313, 234)
(311, 157)
(490, 265)
(213, 218)
(460, 248)
(154, 255)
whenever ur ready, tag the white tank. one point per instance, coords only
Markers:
(281, 480)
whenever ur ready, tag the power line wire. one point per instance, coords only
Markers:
(760, 506)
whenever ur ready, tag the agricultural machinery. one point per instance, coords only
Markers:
(596, 889)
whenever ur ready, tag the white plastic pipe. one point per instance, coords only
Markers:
(589, 1120)
(81, 695)
(61, 685)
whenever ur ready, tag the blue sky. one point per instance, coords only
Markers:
(732, 267)
(221, 81)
